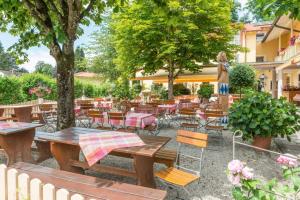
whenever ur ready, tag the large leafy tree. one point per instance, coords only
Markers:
(80, 60)
(267, 9)
(55, 24)
(44, 68)
(103, 52)
(7, 61)
(175, 36)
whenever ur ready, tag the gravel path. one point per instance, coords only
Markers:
(213, 184)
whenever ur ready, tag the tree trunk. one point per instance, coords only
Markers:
(65, 87)
(170, 85)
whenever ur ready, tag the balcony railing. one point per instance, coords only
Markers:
(288, 53)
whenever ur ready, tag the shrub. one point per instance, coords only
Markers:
(258, 114)
(180, 89)
(241, 76)
(30, 81)
(10, 90)
(206, 90)
(158, 89)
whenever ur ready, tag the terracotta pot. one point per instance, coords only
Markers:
(262, 142)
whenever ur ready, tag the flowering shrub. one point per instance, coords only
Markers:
(246, 187)
(40, 91)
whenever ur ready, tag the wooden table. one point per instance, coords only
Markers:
(87, 186)
(16, 139)
(65, 148)
(4, 118)
(22, 112)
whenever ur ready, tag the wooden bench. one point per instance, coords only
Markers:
(86, 187)
(163, 156)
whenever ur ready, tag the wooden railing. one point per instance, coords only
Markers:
(288, 53)
(19, 186)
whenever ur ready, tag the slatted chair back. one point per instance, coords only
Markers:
(117, 116)
(194, 140)
(134, 104)
(45, 107)
(83, 101)
(167, 102)
(153, 104)
(184, 101)
(87, 106)
(187, 111)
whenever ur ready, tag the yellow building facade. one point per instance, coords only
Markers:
(273, 49)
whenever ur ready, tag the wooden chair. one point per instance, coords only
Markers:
(214, 124)
(182, 175)
(117, 117)
(188, 116)
(169, 101)
(98, 117)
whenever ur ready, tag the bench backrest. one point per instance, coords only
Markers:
(20, 186)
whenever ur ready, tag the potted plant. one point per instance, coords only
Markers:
(260, 118)
(205, 91)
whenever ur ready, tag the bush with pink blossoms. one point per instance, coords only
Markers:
(247, 187)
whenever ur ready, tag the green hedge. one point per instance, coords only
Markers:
(11, 90)
(16, 89)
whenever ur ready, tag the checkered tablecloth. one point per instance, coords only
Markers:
(201, 114)
(169, 108)
(7, 126)
(105, 104)
(95, 146)
(139, 120)
(184, 105)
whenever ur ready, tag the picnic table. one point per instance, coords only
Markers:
(22, 112)
(65, 149)
(88, 187)
(16, 139)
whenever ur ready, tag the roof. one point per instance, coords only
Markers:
(86, 75)
(281, 25)
(256, 27)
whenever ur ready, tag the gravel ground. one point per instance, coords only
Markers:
(213, 184)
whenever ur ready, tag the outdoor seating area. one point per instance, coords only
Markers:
(149, 100)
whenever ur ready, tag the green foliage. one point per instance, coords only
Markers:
(8, 61)
(80, 60)
(29, 81)
(121, 91)
(288, 188)
(173, 37)
(264, 10)
(258, 114)
(241, 76)
(180, 89)
(159, 90)
(136, 89)
(44, 68)
(103, 50)
(205, 90)
(10, 90)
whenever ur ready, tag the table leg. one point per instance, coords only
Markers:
(63, 153)
(18, 146)
(144, 170)
(23, 114)
(44, 152)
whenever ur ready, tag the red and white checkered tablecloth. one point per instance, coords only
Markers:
(184, 105)
(139, 120)
(13, 125)
(169, 108)
(95, 146)
(105, 104)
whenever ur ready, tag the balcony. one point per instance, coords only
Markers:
(289, 52)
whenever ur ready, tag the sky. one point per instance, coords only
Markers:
(36, 54)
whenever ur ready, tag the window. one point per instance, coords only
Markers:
(271, 85)
(260, 59)
(260, 36)
(298, 80)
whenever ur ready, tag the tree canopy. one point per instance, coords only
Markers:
(80, 60)
(55, 24)
(44, 68)
(175, 37)
(267, 9)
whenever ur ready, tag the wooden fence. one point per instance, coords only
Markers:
(19, 186)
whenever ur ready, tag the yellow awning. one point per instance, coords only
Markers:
(180, 79)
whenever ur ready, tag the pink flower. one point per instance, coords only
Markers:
(247, 173)
(235, 166)
(287, 160)
(234, 179)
